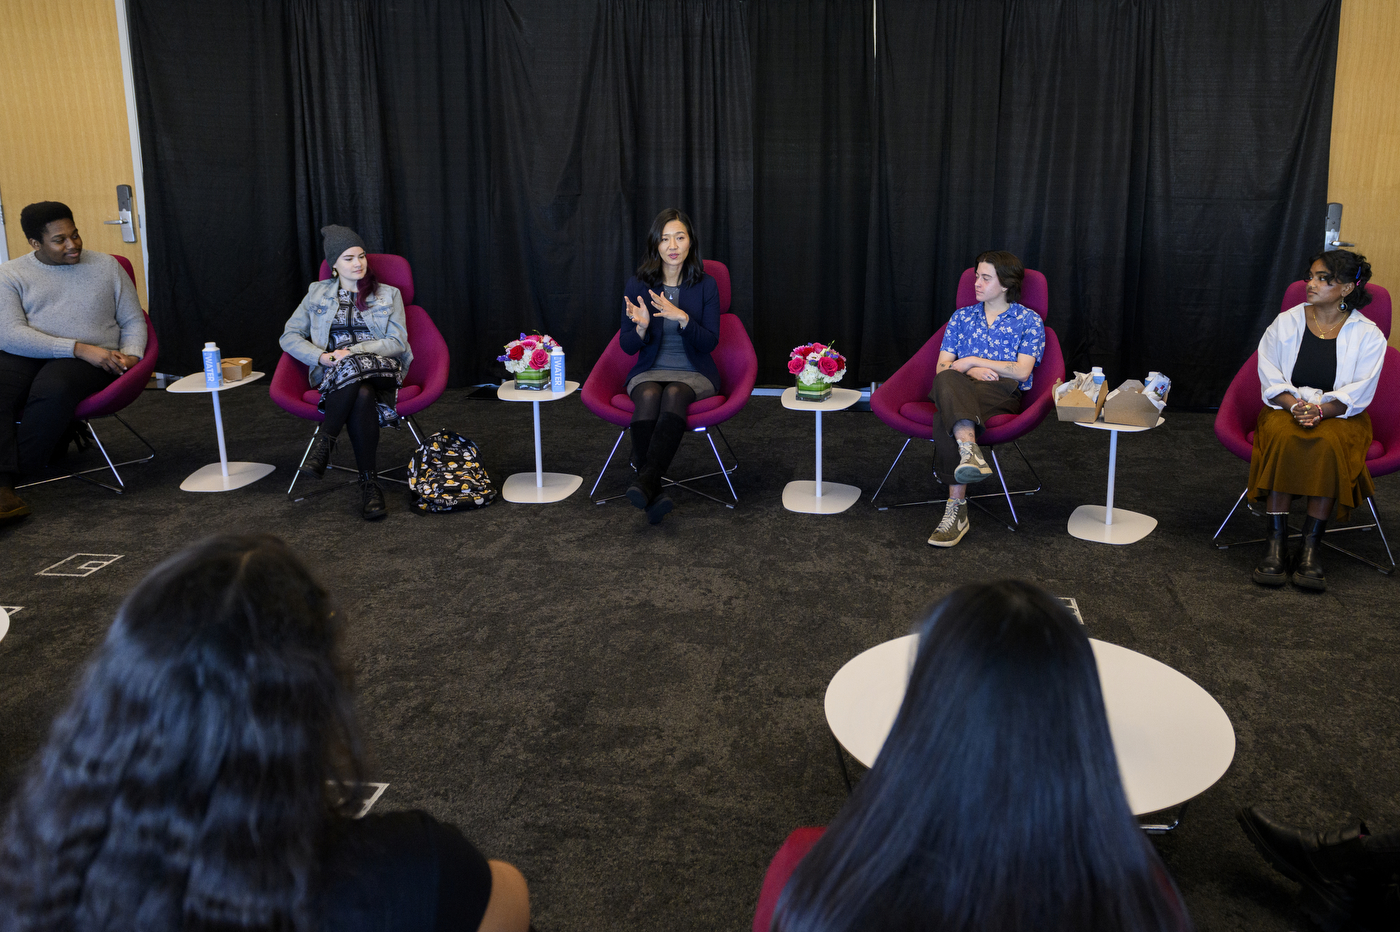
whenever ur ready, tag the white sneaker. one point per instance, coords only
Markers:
(954, 525)
(972, 467)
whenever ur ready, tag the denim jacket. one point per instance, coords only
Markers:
(308, 332)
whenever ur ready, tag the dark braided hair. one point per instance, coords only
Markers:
(186, 786)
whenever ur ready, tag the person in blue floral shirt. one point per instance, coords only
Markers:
(988, 354)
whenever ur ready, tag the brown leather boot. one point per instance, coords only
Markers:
(12, 507)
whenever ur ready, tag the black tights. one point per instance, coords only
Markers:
(353, 407)
(654, 399)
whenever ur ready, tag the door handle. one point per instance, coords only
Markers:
(124, 212)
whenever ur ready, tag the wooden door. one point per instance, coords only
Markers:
(63, 127)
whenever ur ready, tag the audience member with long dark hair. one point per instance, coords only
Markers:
(352, 332)
(197, 780)
(670, 322)
(1319, 365)
(995, 803)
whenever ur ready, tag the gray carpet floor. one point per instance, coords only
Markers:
(633, 714)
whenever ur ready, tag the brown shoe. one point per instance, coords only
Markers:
(12, 507)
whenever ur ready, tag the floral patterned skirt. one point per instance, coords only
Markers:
(359, 367)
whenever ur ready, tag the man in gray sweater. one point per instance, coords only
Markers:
(70, 324)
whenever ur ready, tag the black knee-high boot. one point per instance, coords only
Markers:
(641, 442)
(645, 491)
(1308, 573)
(1271, 570)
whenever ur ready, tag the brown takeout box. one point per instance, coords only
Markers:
(236, 368)
(1131, 407)
(1074, 405)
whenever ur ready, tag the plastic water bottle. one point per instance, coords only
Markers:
(556, 369)
(213, 366)
(1097, 373)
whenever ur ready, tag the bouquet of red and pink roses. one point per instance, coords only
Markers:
(529, 353)
(815, 364)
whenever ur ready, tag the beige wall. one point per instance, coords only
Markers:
(63, 128)
(1365, 169)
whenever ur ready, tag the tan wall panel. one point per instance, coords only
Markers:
(63, 127)
(1365, 169)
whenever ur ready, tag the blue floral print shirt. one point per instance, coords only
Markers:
(1017, 330)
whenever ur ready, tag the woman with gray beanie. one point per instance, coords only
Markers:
(352, 332)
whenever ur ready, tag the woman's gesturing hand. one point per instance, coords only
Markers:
(637, 313)
(664, 308)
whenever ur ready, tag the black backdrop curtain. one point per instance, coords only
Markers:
(1164, 162)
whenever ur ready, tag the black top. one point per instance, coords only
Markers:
(402, 872)
(1316, 365)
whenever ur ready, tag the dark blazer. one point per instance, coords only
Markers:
(701, 334)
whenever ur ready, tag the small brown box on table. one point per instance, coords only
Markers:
(236, 368)
(1131, 407)
(1074, 405)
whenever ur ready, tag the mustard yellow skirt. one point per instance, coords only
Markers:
(1327, 461)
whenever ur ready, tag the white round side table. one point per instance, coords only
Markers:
(1103, 524)
(819, 498)
(538, 487)
(1172, 739)
(222, 476)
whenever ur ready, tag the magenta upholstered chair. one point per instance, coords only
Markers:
(423, 383)
(1239, 412)
(902, 401)
(605, 390)
(112, 399)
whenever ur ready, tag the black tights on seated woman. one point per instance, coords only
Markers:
(658, 424)
(354, 408)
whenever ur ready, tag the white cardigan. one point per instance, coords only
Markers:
(1360, 353)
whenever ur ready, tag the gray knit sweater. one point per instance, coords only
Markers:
(45, 309)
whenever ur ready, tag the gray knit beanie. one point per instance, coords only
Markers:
(337, 240)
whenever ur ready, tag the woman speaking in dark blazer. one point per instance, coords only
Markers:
(671, 324)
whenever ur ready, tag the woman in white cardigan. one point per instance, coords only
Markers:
(1319, 364)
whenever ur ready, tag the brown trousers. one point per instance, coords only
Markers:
(959, 398)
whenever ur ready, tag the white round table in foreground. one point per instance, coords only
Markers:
(222, 476)
(1106, 524)
(538, 487)
(1172, 739)
(819, 498)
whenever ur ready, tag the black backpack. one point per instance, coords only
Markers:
(445, 475)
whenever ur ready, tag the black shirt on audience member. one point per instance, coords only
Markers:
(402, 872)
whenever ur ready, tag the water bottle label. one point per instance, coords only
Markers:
(213, 368)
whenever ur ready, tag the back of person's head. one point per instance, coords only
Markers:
(1010, 272)
(186, 786)
(995, 803)
(1347, 266)
(35, 218)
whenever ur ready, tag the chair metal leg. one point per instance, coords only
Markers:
(1227, 520)
(606, 464)
(1006, 492)
(667, 482)
(1297, 532)
(120, 487)
(907, 441)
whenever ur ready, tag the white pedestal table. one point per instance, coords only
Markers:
(538, 487)
(1104, 524)
(222, 476)
(819, 498)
